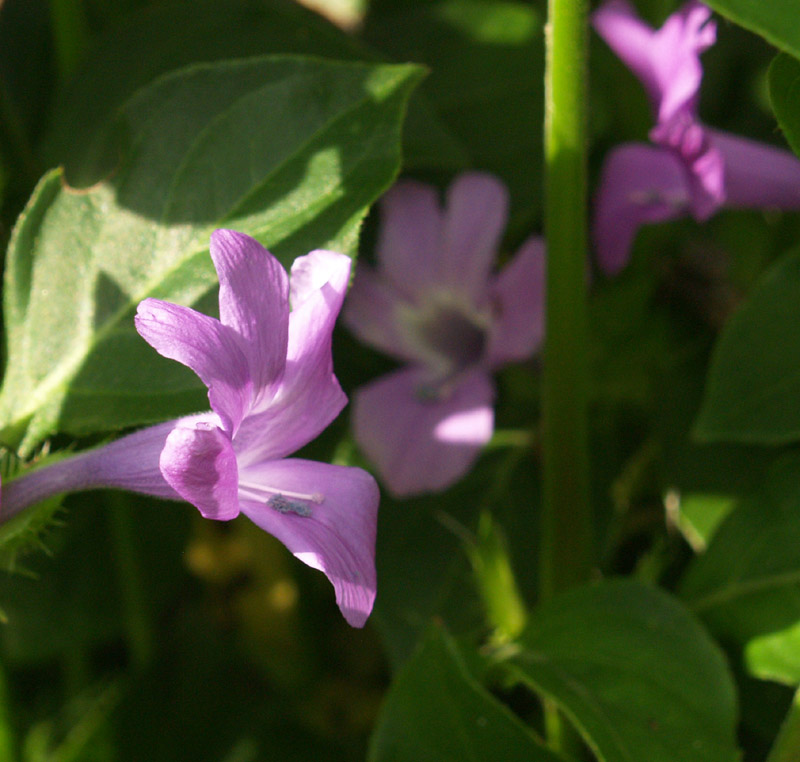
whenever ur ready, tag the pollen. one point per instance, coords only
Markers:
(283, 505)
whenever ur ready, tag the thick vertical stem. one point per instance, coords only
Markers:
(566, 520)
(566, 524)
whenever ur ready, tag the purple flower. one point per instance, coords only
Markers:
(434, 304)
(272, 389)
(692, 169)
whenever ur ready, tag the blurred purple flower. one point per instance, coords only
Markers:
(272, 389)
(692, 169)
(434, 304)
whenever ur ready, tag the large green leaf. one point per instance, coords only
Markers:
(774, 20)
(637, 675)
(746, 586)
(753, 384)
(435, 711)
(290, 150)
(169, 36)
(784, 88)
(166, 37)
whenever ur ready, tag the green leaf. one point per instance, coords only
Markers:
(435, 711)
(166, 37)
(754, 380)
(289, 150)
(774, 20)
(784, 88)
(746, 586)
(635, 673)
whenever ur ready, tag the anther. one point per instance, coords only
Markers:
(283, 505)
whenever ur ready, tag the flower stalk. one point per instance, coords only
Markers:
(566, 525)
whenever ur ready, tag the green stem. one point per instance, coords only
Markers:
(566, 539)
(566, 521)
(787, 744)
(136, 613)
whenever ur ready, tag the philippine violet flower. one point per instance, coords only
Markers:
(433, 304)
(271, 385)
(691, 169)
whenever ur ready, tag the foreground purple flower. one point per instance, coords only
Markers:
(692, 169)
(434, 304)
(272, 389)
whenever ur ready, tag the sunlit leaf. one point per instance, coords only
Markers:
(168, 36)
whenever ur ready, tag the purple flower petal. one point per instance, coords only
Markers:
(371, 313)
(422, 445)
(312, 271)
(617, 22)
(320, 276)
(309, 396)
(200, 465)
(756, 174)
(409, 240)
(338, 537)
(667, 60)
(209, 348)
(517, 295)
(253, 301)
(639, 184)
(475, 216)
